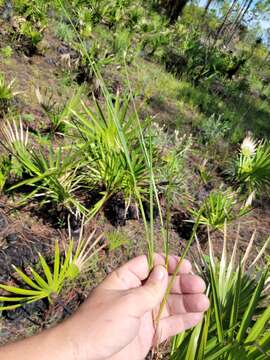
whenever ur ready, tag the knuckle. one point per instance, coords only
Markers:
(149, 292)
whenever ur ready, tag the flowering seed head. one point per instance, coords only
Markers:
(248, 147)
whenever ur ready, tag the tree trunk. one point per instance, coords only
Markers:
(239, 19)
(240, 13)
(230, 28)
(175, 9)
(266, 58)
(209, 2)
(220, 29)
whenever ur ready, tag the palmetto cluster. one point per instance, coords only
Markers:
(252, 166)
(235, 326)
(48, 282)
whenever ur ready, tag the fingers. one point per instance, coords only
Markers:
(136, 270)
(129, 275)
(176, 324)
(188, 284)
(173, 261)
(189, 303)
(147, 297)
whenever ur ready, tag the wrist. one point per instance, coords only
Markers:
(78, 344)
(49, 344)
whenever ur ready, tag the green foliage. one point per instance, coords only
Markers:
(99, 140)
(52, 174)
(29, 31)
(35, 10)
(236, 325)
(83, 255)
(6, 52)
(204, 173)
(4, 171)
(116, 239)
(65, 32)
(6, 90)
(54, 178)
(218, 208)
(121, 41)
(214, 129)
(76, 259)
(36, 286)
(172, 169)
(58, 115)
(9, 169)
(251, 169)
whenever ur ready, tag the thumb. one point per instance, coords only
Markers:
(150, 295)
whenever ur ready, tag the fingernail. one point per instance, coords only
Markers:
(158, 273)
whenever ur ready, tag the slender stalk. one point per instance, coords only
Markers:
(106, 94)
(148, 158)
(169, 288)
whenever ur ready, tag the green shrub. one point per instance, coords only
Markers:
(214, 128)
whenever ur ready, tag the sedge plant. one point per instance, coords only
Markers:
(146, 149)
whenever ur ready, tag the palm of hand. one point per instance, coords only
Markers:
(123, 310)
(184, 308)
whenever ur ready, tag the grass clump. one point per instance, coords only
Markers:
(64, 32)
(6, 52)
(116, 239)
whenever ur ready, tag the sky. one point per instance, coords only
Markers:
(264, 22)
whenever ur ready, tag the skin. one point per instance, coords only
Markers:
(117, 320)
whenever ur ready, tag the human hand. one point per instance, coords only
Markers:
(117, 320)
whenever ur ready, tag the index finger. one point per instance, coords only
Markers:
(131, 274)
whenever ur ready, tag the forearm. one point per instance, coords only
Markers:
(51, 344)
